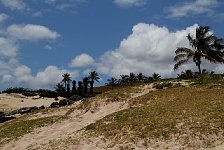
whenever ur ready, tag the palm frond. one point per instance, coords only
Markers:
(179, 56)
(192, 41)
(184, 50)
(218, 44)
(179, 63)
(214, 56)
(202, 31)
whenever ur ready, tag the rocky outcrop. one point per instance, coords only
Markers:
(75, 98)
(54, 104)
(11, 115)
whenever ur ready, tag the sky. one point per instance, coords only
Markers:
(42, 39)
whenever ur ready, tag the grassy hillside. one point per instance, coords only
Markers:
(129, 117)
(193, 116)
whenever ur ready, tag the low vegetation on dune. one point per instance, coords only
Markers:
(15, 129)
(192, 116)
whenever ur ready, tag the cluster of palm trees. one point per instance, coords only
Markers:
(204, 46)
(132, 78)
(64, 86)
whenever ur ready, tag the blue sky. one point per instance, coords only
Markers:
(42, 39)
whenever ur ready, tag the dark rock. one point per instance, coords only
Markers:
(34, 108)
(63, 102)
(6, 118)
(29, 94)
(75, 98)
(41, 107)
(12, 113)
(54, 104)
(24, 110)
(70, 102)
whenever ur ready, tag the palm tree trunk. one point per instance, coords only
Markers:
(91, 86)
(199, 68)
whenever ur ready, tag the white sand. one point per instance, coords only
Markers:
(10, 102)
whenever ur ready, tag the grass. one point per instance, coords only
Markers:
(197, 112)
(116, 95)
(17, 128)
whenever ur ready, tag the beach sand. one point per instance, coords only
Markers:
(9, 102)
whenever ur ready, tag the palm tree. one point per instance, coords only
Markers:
(93, 76)
(59, 88)
(113, 82)
(132, 78)
(140, 77)
(66, 79)
(156, 76)
(206, 45)
(124, 79)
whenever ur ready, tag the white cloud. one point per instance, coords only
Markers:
(31, 32)
(86, 72)
(48, 47)
(148, 49)
(38, 14)
(8, 48)
(12, 72)
(14, 4)
(47, 78)
(7, 78)
(196, 7)
(82, 60)
(50, 76)
(128, 3)
(3, 17)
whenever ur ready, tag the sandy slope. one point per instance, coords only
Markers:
(50, 137)
(78, 120)
(14, 101)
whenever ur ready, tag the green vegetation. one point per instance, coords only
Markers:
(194, 111)
(17, 128)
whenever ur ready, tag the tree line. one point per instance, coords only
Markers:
(84, 87)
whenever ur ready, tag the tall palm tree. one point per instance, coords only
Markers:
(93, 76)
(66, 79)
(124, 79)
(206, 45)
(113, 82)
(132, 78)
(156, 76)
(140, 77)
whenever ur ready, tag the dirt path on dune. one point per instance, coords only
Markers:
(78, 120)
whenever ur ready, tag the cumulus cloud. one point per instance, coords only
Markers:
(195, 7)
(148, 49)
(31, 32)
(14, 4)
(8, 48)
(44, 78)
(12, 72)
(47, 78)
(82, 60)
(128, 3)
(3, 17)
